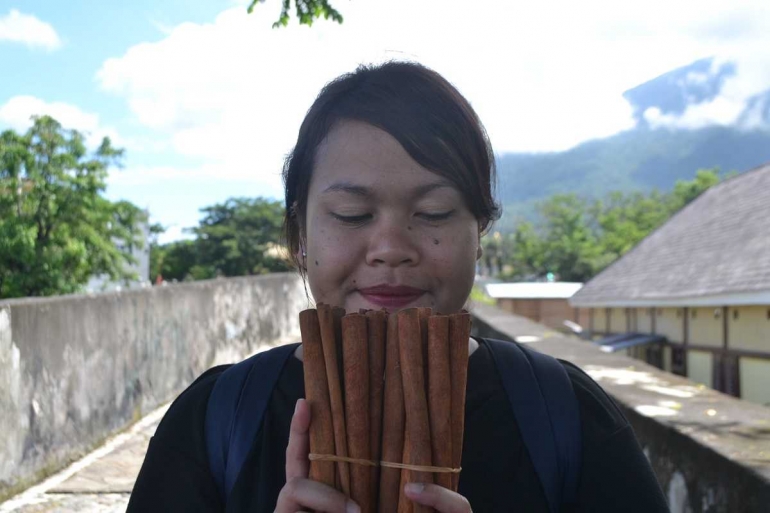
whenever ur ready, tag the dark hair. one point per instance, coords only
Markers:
(428, 116)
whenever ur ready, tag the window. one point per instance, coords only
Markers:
(726, 374)
(678, 361)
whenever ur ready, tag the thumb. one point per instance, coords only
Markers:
(297, 464)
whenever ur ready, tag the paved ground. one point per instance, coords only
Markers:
(99, 483)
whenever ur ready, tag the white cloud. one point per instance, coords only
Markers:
(542, 76)
(23, 28)
(17, 112)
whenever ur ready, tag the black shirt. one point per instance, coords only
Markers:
(497, 476)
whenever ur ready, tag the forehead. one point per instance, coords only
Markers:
(359, 153)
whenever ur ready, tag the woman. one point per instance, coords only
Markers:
(388, 191)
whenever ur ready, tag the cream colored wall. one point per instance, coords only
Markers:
(618, 320)
(669, 325)
(643, 320)
(699, 367)
(755, 380)
(706, 328)
(600, 320)
(583, 317)
(751, 331)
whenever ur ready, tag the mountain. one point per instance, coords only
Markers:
(660, 150)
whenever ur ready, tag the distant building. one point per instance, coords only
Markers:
(701, 283)
(543, 302)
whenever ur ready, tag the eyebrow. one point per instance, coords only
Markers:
(366, 192)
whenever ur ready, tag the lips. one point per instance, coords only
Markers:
(391, 296)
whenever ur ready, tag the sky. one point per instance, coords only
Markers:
(207, 99)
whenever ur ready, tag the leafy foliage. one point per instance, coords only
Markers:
(234, 238)
(56, 228)
(306, 11)
(575, 238)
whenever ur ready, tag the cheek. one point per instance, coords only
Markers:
(330, 261)
(453, 252)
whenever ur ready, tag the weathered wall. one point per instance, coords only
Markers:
(711, 452)
(76, 369)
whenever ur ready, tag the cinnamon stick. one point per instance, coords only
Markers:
(393, 420)
(439, 396)
(424, 313)
(459, 333)
(327, 321)
(417, 446)
(405, 504)
(317, 396)
(355, 358)
(376, 325)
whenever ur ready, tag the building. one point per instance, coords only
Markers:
(543, 302)
(701, 285)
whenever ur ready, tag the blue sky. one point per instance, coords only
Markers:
(207, 100)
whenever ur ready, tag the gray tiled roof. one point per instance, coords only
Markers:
(718, 244)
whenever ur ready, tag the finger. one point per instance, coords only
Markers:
(297, 464)
(302, 493)
(439, 498)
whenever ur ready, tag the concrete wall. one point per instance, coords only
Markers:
(75, 369)
(708, 450)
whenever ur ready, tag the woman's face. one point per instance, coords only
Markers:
(382, 231)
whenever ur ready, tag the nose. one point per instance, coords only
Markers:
(392, 244)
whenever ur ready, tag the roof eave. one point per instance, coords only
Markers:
(761, 297)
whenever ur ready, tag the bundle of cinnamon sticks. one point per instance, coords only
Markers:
(387, 399)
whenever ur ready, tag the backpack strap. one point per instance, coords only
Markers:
(235, 409)
(546, 411)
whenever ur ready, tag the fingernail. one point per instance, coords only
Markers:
(352, 507)
(415, 488)
(296, 406)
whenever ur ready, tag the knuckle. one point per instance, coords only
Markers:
(292, 486)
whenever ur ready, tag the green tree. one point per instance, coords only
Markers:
(686, 191)
(236, 238)
(306, 11)
(56, 228)
(576, 239)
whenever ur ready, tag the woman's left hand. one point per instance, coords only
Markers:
(437, 497)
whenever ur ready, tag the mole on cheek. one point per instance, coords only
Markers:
(316, 262)
(409, 228)
(436, 242)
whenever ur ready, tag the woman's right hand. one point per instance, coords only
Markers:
(300, 493)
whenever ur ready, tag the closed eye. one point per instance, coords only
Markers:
(437, 216)
(352, 220)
